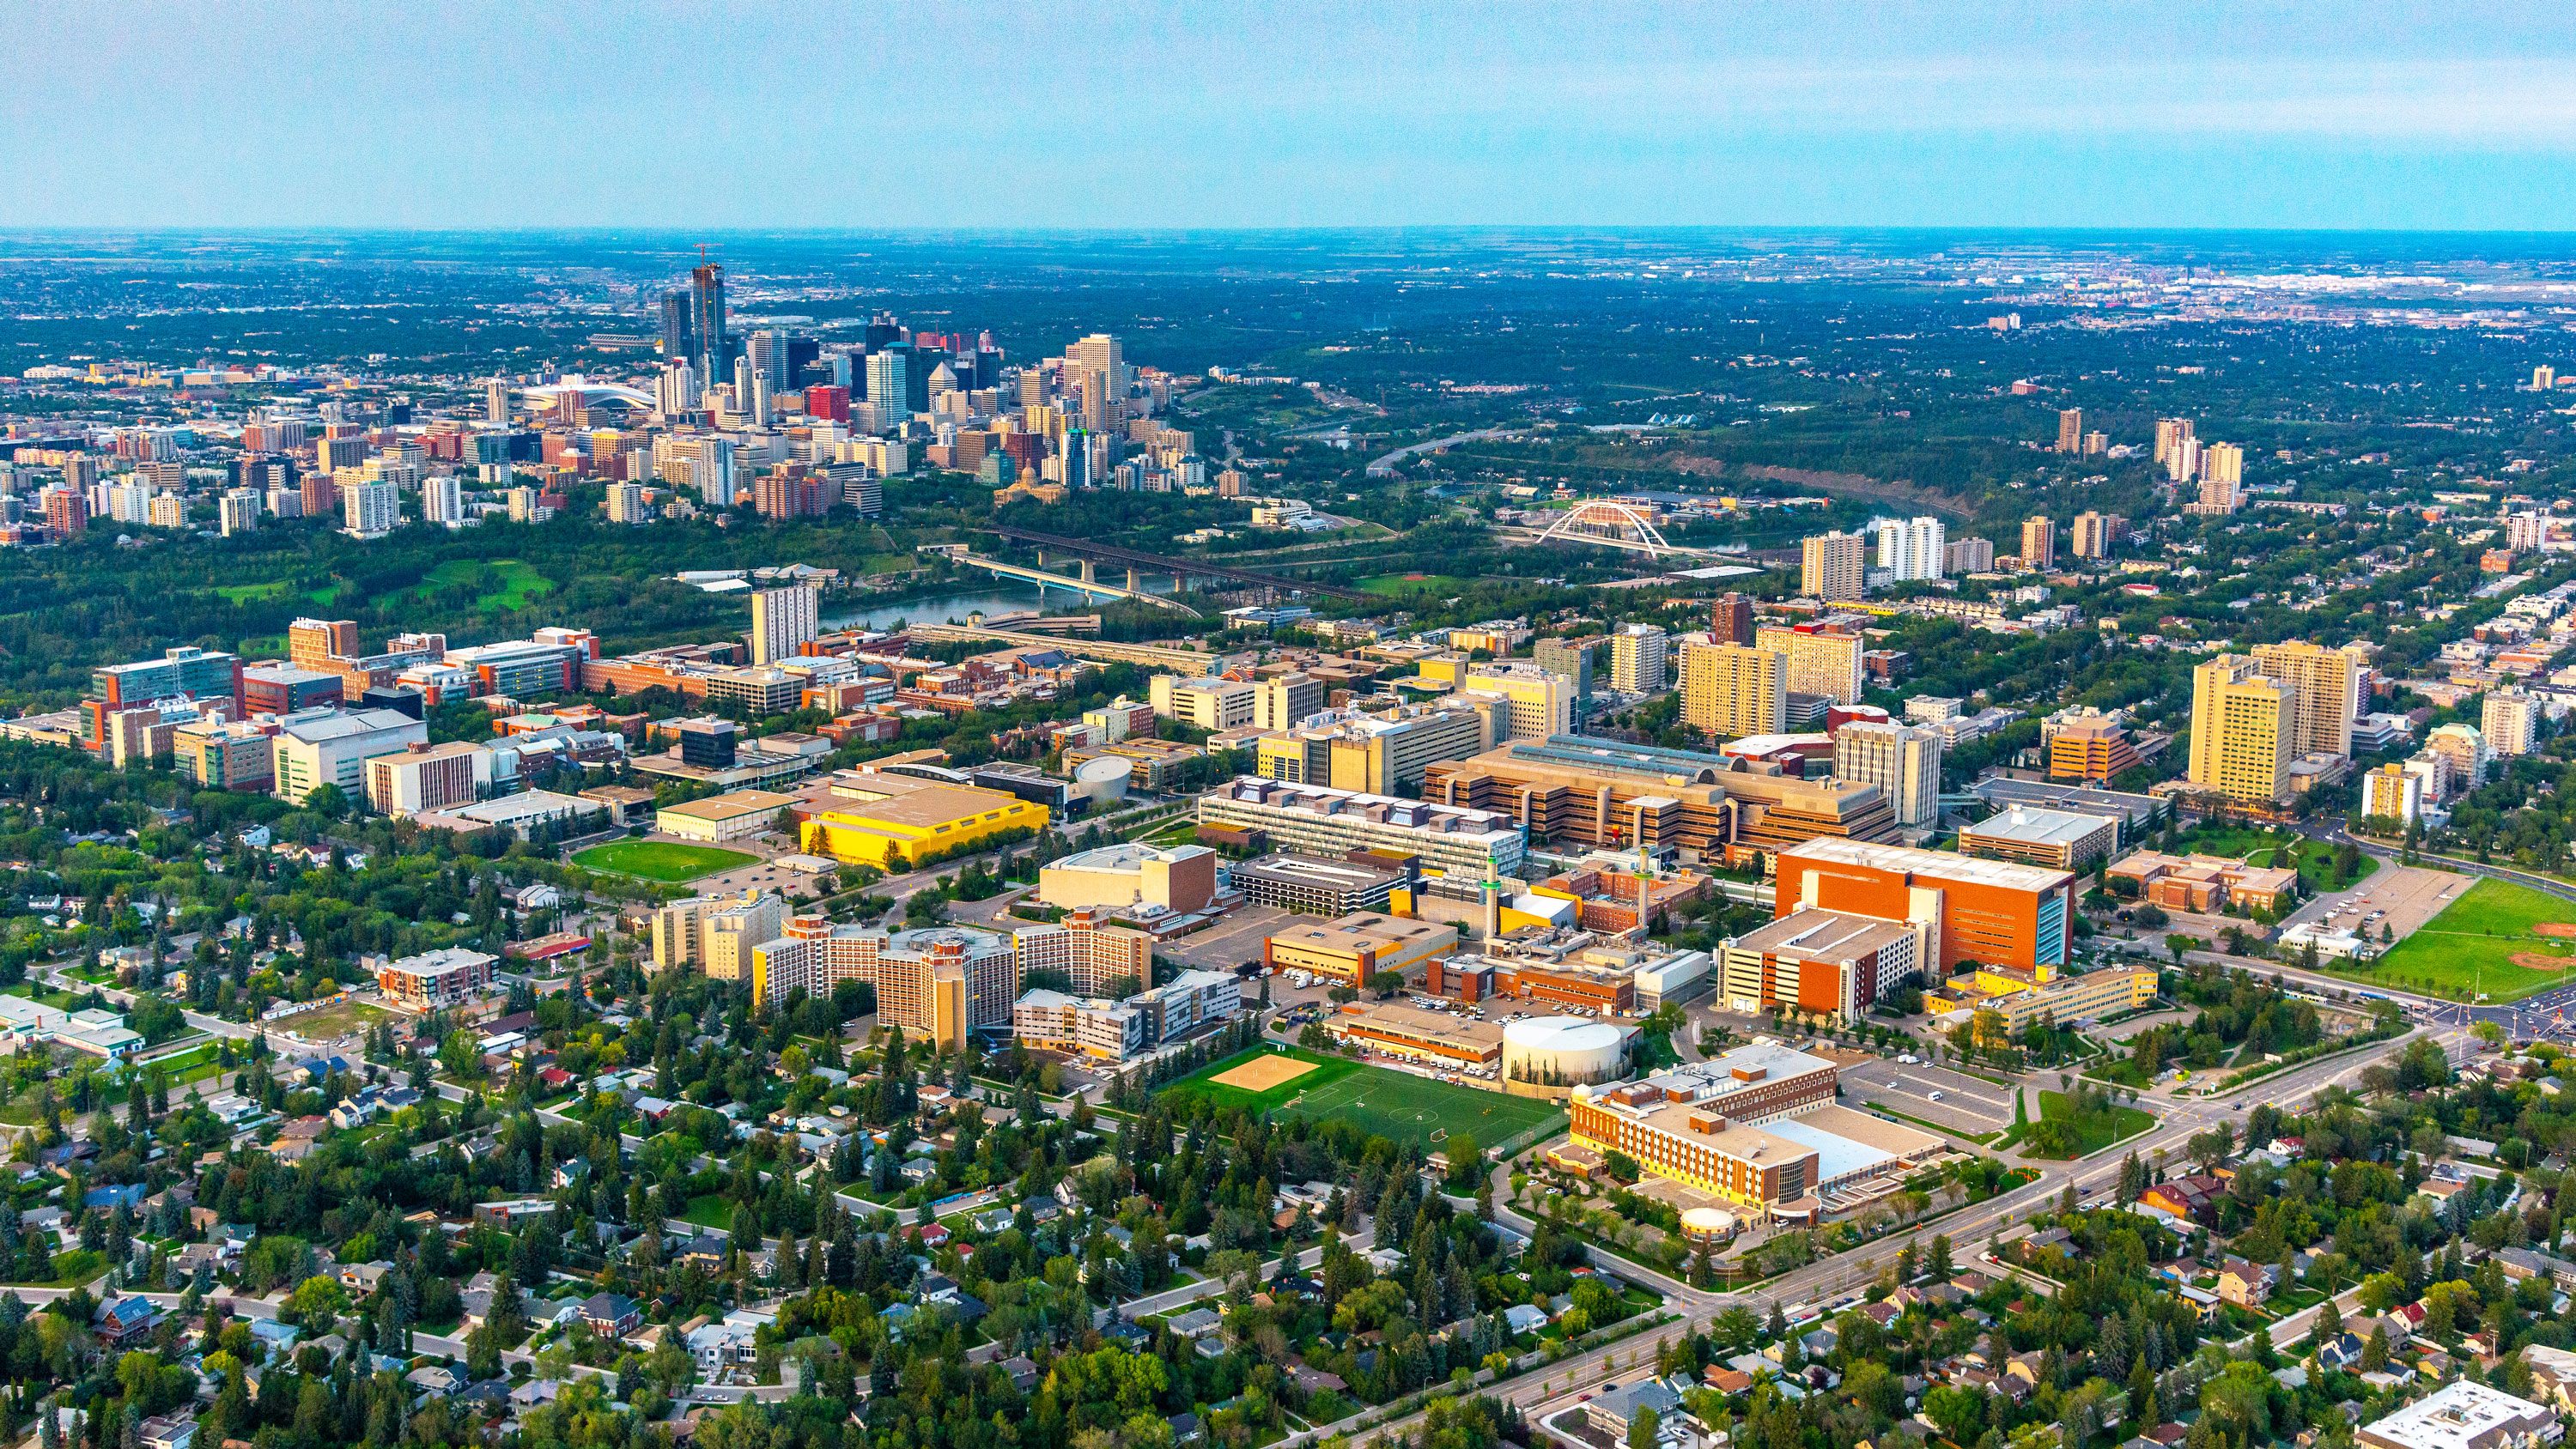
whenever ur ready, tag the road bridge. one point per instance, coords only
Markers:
(1178, 568)
(1089, 586)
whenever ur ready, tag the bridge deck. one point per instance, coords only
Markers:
(1164, 564)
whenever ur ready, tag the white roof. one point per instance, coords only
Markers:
(2461, 1415)
(1937, 863)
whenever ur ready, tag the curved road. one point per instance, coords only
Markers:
(1383, 465)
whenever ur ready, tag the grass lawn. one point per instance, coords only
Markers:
(333, 1022)
(1396, 1105)
(709, 1210)
(58, 1000)
(245, 593)
(2098, 1132)
(509, 584)
(661, 860)
(1395, 584)
(2470, 947)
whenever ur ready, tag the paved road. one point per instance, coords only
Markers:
(1383, 465)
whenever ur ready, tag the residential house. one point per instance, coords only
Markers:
(612, 1314)
(123, 1322)
(2245, 1284)
(167, 1431)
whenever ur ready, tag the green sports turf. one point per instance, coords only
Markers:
(1395, 1105)
(661, 859)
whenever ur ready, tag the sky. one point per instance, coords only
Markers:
(569, 113)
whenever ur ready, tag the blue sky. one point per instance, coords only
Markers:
(146, 113)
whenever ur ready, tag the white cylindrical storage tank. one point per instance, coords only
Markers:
(1561, 1049)
(1102, 781)
(1707, 1225)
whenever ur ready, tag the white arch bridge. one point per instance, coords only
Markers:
(1613, 524)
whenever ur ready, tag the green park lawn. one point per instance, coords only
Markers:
(2470, 947)
(509, 583)
(1395, 1105)
(662, 860)
(710, 1210)
(2265, 848)
(1397, 584)
(333, 1022)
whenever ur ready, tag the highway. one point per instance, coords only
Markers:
(1383, 465)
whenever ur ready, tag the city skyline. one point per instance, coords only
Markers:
(1330, 116)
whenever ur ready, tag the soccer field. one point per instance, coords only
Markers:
(1398, 1106)
(661, 860)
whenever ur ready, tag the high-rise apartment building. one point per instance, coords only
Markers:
(1637, 654)
(2393, 793)
(1822, 660)
(1729, 689)
(442, 501)
(496, 400)
(2508, 721)
(2093, 533)
(2172, 434)
(2465, 748)
(2070, 430)
(1730, 619)
(2039, 543)
(2243, 728)
(782, 622)
(625, 503)
(2328, 682)
(1571, 658)
(2543, 378)
(370, 510)
(2222, 478)
(238, 512)
(1969, 556)
(1833, 566)
(768, 355)
(1901, 760)
(1911, 548)
(678, 342)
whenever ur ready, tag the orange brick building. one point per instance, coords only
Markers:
(1996, 913)
(2090, 750)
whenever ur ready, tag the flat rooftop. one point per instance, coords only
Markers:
(2012, 875)
(2460, 1415)
(2026, 826)
(2001, 791)
(726, 807)
(920, 804)
(1816, 935)
(1411, 1021)
(1314, 870)
(1363, 931)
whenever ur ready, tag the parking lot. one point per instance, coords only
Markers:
(2409, 896)
(1968, 1105)
(1229, 943)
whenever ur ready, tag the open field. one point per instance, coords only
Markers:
(662, 860)
(334, 1022)
(2486, 941)
(2316, 860)
(1396, 584)
(1263, 1072)
(507, 583)
(1395, 1105)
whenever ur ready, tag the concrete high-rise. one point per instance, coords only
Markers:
(782, 620)
(1281, 701)
(442, 501)
(1730, 619)
(370, 510)
(1912, 548)
(2171, 435)
(1637, 655)
(1833, 566)
(1901, 760)
(496, 400)
(1968, 556)
(707, 323)
(2070, 430)
(678, 342)
(1571, 658)
(1822, 661)
(2039, 543)
(1729, 689)
(2508, 718)
(768, 354)
(2092, 534)
(2328, 682)
(2242, 730)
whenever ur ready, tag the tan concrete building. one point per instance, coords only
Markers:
(2242, 730)
(2328, 682)
(1122, 877)
(1354, 948)
(1833, 566)
(1822, 661)
(1729, 689)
